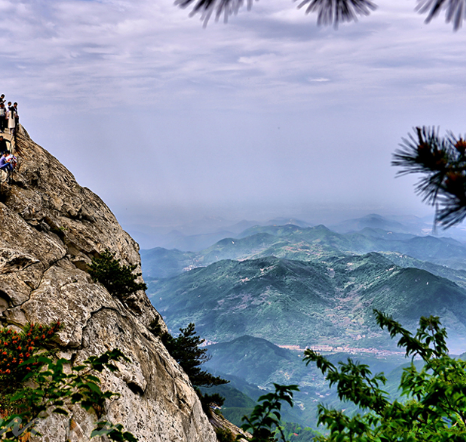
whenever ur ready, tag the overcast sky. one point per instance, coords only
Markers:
(267, 115)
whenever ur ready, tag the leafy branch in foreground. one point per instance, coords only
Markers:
(435, 396)
(264, 423)
(442, 161)
(36, 385)
(433, 405)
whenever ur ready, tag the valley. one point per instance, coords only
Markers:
(307, 303)
(263, 297)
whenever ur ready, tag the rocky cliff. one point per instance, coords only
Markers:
(50, 228)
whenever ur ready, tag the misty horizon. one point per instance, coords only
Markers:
(207, 230)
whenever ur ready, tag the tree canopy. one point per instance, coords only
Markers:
(330, 11)
(186, 350)
(432, 406)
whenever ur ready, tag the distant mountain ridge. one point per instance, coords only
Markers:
(306, 244)
(374, 221)
(197, 235)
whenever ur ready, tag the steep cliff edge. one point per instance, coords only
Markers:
(50, 228)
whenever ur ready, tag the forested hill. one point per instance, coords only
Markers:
(307, 303)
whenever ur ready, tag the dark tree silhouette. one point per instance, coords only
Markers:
(442, 161)
(330, 11)
(186, 350)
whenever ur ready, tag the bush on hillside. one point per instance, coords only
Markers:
(33, 384)
(119, 280)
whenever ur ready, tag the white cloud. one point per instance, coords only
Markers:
(153, 51)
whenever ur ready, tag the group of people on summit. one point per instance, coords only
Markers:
(9, 117)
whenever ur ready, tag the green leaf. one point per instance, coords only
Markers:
(95, 388)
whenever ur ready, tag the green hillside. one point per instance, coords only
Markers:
(457, 276)
(257, 361)
(306, 303)
(265, 297)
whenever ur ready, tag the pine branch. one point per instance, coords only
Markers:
(329, 12)
(442, 162)
(337, 11)
(455, 10)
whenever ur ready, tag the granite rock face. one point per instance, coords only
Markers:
(50, 229)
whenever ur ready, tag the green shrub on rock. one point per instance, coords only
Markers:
(224, 435)
(119, 280)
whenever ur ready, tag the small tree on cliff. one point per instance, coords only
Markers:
(119, 280)
(186, 350)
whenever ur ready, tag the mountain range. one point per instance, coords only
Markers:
(306, 244)
(261, 297)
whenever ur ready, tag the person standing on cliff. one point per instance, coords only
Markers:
(15, 106)
(3, 120)
(11, 118)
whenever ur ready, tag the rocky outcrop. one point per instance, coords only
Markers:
(50, 229)
(218, 421)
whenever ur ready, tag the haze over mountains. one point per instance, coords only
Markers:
(311, 285)
(307, 243)
(299, 286)
(199, 234)
(202, 233)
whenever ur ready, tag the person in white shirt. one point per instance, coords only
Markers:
(11, 118)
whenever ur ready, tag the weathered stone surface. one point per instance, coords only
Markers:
(50, 229)
(218, 421)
